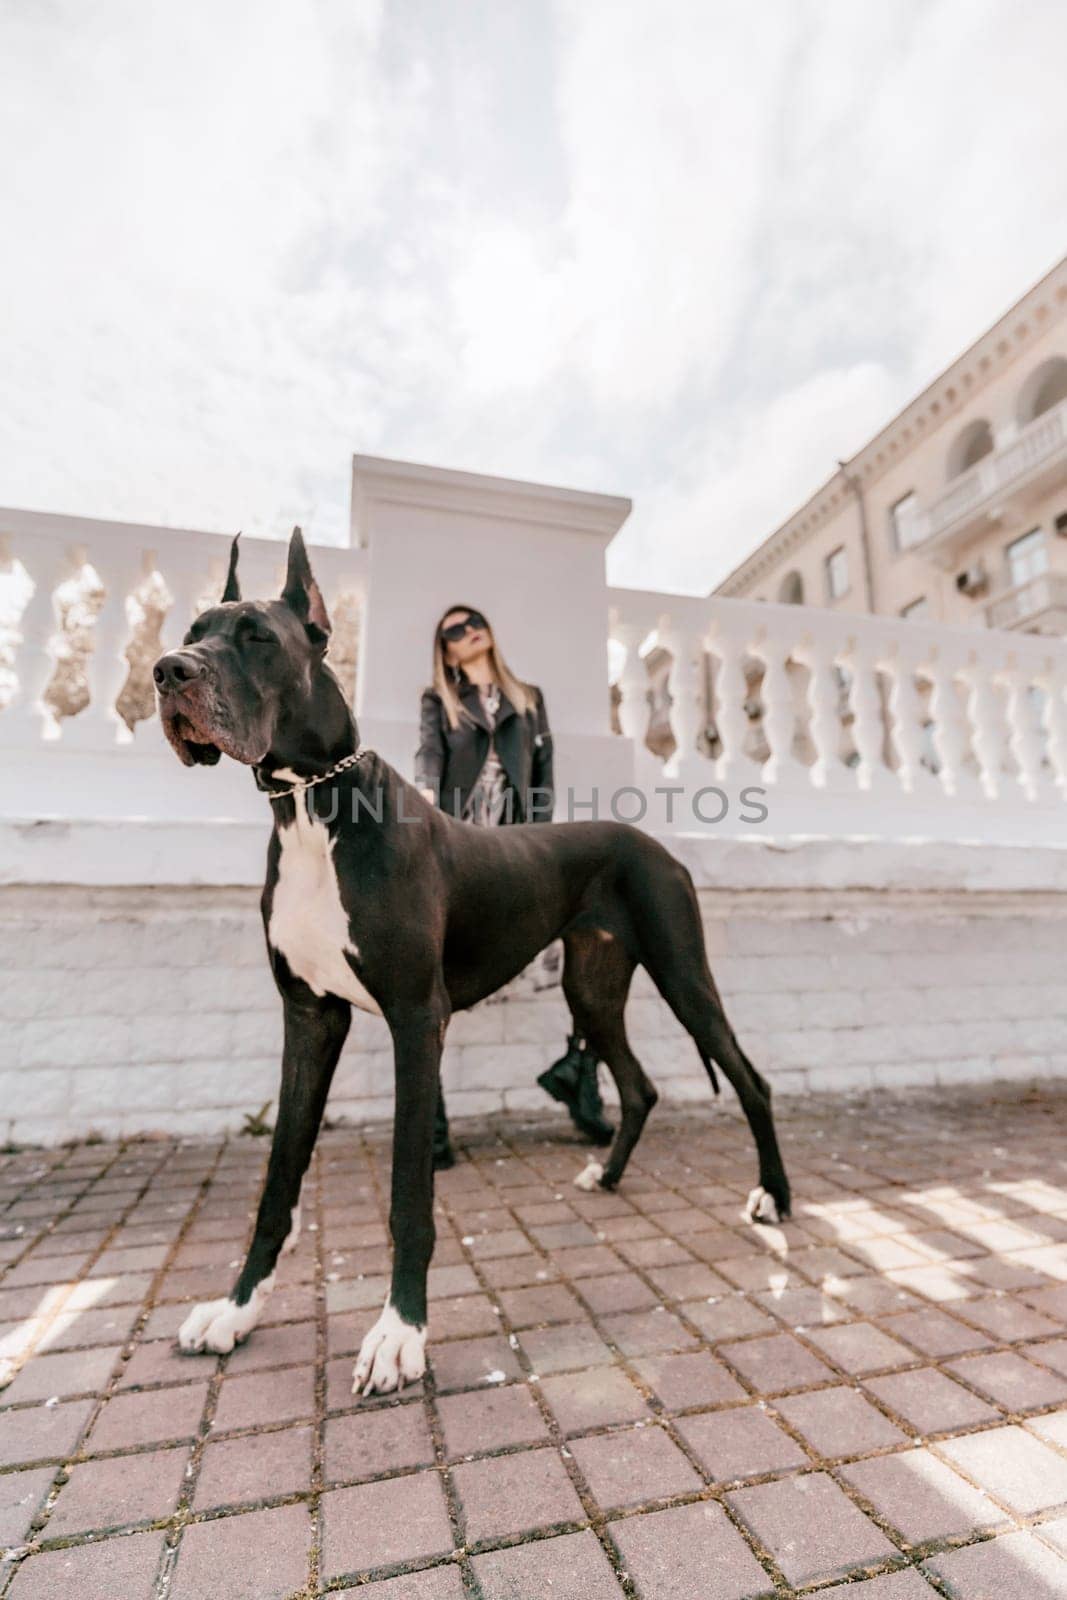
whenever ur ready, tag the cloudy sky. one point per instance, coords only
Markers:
(686, 250)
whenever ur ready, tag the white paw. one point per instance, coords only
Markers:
(761, 1206)
(590, 1176)
(220, 1324)
(392, 1354)
(292, 1238)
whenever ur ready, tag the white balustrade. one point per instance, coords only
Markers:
(865, 726)
(65, 761)
(948, 732)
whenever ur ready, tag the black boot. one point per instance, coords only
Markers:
(443, 1154)
(573, 1081)
(588, 1114)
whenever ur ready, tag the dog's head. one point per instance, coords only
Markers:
(245, 667)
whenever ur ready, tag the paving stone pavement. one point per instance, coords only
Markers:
(630, 1394)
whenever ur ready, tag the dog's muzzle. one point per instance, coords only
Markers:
(181, 681)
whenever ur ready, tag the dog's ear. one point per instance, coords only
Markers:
(302, 594)
(232, 590)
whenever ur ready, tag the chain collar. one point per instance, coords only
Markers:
(309, 783)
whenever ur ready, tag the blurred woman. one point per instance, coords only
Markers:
(485, 756)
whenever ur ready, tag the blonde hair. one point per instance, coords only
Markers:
(444, 683)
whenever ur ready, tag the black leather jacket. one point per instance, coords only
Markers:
(450, 759)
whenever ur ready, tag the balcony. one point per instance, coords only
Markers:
(1037, 606)
(1034, 460)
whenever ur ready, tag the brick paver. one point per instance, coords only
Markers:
(261, 1466)
(839, 1422)
(125, 1567)
(810, 1527)
(740, 1444)
(119, 1490)
(260, 1556)
(637, 1383)
(1015, 1564)
(634, 1465)
(380, 1524)
(573, 1567)
(921, 1496)
(688, 1551)
(1024, 1473)
(368, 1444)
(512, 1494)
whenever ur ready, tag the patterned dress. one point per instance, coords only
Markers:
(487, 805)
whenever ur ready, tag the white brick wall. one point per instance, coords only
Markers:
(139, 1010)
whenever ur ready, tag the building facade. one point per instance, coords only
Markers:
(956, 511)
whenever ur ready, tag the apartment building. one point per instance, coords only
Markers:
(957, 510)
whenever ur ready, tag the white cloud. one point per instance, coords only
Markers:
(691, 252)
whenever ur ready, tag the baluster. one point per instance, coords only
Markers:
(779, 722)
(688, 713)
(987, 740)
(1054, 721)
(632, 683)
(1023, 737)
(906, 718)
(731, 689)
(824, 725)
(867, 729)
(106, 667)
(49, 564)
(951, 732)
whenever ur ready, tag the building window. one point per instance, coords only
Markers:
(904, 522)
(791, 590)
(917, 610)
(1027, 557)
(837, 573)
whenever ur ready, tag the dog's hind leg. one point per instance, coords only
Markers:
(770, 1200)
(596, 979)
(677, 964)
(695, 1002)
(315, 1030)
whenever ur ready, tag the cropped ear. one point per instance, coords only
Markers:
(232, 590)
(301, 593)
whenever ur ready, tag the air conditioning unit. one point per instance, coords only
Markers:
(973, 580)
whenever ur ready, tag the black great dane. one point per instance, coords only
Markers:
(376, 899)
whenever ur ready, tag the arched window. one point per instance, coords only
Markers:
(969, 446)
(1044, 388)
(791, 590)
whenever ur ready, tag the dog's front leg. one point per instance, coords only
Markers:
(315, 1031)
(394, 1351)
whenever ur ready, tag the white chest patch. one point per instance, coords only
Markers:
(308, 923)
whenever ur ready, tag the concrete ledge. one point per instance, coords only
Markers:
(126, 852)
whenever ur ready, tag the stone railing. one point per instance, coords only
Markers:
(85, 609)
(853, 726)
(840, 726)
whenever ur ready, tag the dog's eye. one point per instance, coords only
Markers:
(260, 638)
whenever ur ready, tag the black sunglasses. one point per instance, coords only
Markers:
(454, 633)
